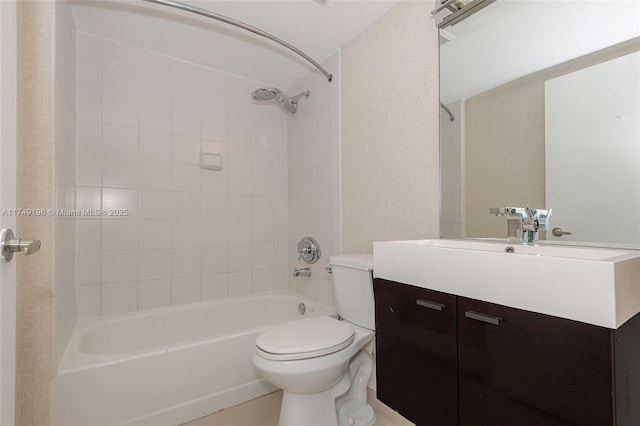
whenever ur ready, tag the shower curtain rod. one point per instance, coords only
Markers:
(227, 20)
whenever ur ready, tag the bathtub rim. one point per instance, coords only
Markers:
(74, 359)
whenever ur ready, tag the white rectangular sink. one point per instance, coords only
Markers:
(592, 285)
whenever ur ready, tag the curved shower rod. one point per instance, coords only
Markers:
(448, 111)
(227, 20)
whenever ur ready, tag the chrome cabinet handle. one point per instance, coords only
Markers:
(431, 305)
(9, 244)
(559, 232)
(489, 319)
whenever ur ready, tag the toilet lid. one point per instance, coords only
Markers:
(305, 338)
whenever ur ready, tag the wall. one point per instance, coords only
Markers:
(190, 234)
(64, 227)
(313, 164)
(389, 129)
(35, 161)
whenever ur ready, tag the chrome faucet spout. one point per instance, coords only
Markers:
(523, 223)
(302, 272)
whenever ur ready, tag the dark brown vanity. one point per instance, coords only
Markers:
(446, 360)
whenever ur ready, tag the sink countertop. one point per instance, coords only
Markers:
(592, 285)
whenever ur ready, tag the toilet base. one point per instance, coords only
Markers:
(313, 409)
(345, 404)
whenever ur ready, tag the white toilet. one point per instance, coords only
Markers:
(322, 364)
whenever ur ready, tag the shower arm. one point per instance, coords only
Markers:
(230, 21)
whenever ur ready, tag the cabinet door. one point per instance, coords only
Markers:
(416, 352)
(527, 369)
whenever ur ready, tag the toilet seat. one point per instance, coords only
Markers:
(304, 338)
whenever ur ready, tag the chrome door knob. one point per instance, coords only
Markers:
(9, 244)
(559, 232)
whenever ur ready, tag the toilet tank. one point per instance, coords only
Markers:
(353, 288)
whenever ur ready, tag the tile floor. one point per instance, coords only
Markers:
(264, 411)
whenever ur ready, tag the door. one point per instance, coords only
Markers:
(416, 352)
(528, 369)
(592, 149)
(7, 202)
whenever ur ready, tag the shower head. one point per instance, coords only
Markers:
(266, 94)
(290, 105)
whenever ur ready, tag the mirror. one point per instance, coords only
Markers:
(545, 101)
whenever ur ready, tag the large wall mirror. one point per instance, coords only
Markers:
(541, 107)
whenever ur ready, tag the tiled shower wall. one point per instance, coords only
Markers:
(182, 234)
(313, 141)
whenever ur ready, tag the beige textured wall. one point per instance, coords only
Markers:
(35, 183)
(389, 130)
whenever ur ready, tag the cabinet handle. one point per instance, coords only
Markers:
(483, 317)
(431, 305)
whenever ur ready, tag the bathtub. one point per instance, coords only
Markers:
(168, 366)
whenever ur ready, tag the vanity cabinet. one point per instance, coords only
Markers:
(475, 363)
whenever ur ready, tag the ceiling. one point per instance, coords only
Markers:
(316, 29)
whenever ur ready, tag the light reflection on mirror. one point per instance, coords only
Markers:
(499, 68)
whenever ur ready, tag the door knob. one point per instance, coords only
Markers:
(9, 244)
(559, 232)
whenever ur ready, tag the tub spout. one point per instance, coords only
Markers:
(304, 272)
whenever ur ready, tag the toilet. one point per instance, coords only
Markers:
(323, 364)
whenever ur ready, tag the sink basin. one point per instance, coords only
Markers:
(592, 285)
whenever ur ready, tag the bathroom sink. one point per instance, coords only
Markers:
(592, 285)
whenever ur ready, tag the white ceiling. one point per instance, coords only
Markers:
(318, 30)
(511, 39)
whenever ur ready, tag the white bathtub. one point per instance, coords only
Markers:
(168, 366)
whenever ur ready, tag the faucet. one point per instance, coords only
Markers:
(304, 272)
(523, 223)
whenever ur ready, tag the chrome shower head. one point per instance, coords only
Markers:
(266, 94)
(290, 105)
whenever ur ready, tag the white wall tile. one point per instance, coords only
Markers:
(240, 182)
(155, 205)
(89, 170)
(121, 199)
(119, 298)
(88, 234)
(119, 235)
(240, 283)
(119, 78)
(185, 149)
(154, 264)
(240, 233)
(214, 286)
(185, 289)
(88, 299)
(118, 172)
(119, 141)
(88, 267)
(186, 206)
(88, 197)
(155, 114)
(185, 234)
(121, 266)
(214, 181)
(154, 175)
(185, 177)
(155, 145)
(154, 294)
(89, 45)
(185, 262)
(240, 208)
(214, 233)
(120, 53)
(120, 110)
(154, 234)
(89, 105)
(263, 280)
(240, 259)
(89, 137)
(214, 260)
(185, 121)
